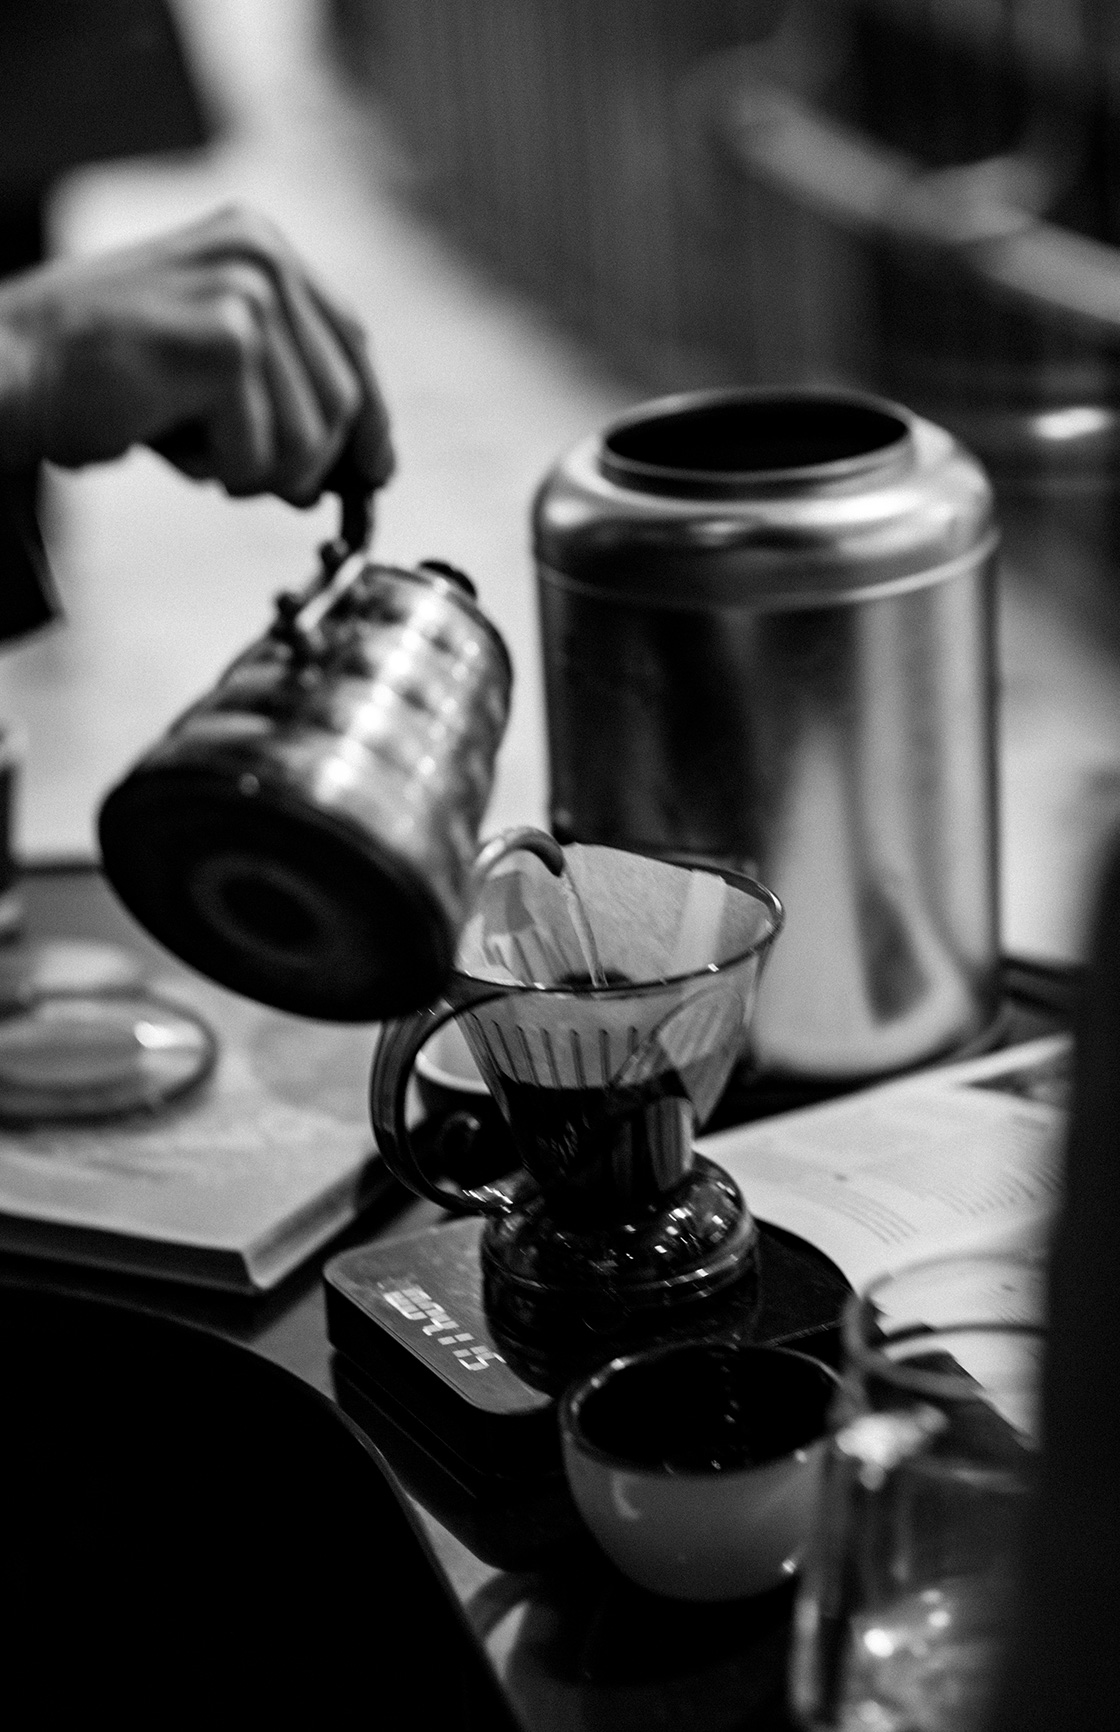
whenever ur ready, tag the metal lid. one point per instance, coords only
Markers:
(760, 497)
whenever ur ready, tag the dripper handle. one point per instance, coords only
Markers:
(397, 1050)
(402, 1041)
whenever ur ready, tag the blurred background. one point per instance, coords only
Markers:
(547, 209)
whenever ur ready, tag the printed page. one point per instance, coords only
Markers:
(961, 1157)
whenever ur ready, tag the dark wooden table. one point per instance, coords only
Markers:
(569, 1644)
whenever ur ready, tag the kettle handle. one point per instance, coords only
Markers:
(397, 1051)
(402, 1041)
(356, 497)
(354, 532)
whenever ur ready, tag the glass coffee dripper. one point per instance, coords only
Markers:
(605, 998)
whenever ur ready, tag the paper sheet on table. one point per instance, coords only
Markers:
(960, 1157)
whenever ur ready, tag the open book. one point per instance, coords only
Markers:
(958, 1158)
(233, 1185)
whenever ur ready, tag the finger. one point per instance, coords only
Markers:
(330, 372)
(248, 243)
(329, 342)
(314, 391)
(333, 342)
(236, 412)
(329, 345)
(305, 445)
(240, 435)
(260, 414)
(305, 442)
(370, 440)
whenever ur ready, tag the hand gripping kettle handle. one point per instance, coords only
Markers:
(397, 1050)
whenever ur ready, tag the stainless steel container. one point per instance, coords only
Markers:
(768, 640)
(305, 833)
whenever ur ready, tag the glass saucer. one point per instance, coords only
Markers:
(72, 1055)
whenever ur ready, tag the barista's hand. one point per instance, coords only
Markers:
(214, 344)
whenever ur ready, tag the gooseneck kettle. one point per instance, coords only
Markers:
(304, 833)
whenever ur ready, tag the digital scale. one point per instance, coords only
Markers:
(416, 1362)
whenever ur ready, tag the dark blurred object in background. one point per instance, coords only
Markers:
(546, 136)
(961, 162)
(83, 81)
(916, 198)
(1061, 1671)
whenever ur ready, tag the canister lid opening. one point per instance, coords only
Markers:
(725, 444)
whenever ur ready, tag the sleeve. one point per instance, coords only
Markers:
(28, 599)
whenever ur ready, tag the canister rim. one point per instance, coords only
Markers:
(806, 538)
(850, 436)
(788, 597)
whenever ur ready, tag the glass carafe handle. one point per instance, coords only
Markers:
(402, 1041)
(397, 1050)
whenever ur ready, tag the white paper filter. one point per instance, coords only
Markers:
(646, 922)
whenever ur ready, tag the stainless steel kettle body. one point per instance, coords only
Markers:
(768, 640)
(305, 833)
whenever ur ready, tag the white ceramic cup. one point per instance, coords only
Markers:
(696, 1465)
(448, 1063)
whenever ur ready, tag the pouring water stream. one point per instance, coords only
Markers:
(530, 840)
(577, 914)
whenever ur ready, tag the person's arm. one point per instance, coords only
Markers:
(214, 344)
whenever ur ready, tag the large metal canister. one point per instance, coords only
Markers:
(768, 640)
(305, 833)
